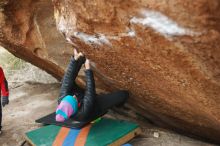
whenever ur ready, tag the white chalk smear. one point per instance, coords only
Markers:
(101, 39)
(153, 19)
(61, 24)
(161, 24)
(98, 39)
(130, 33)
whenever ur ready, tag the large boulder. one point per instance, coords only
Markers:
(166, 53)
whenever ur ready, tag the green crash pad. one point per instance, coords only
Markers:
(102, 133)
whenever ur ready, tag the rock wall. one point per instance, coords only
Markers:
(166, 53)
(28, 30)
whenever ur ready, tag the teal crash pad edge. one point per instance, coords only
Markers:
(113, 132)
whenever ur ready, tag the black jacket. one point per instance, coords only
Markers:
(86, 98)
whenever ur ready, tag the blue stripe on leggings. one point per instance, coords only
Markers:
(71, 137)
(72, 101)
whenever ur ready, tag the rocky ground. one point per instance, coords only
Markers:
(33, 94)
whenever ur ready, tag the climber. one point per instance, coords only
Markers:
(4, 94)
(81, 104)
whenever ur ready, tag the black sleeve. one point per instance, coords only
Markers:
(87, 103)
(68, 82)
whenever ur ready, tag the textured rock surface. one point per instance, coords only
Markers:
(28, 30)
(166, 53)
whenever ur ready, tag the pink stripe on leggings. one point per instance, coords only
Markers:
(66, 108)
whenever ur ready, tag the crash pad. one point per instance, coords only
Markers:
(104, 132)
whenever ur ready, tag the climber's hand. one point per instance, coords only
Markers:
(77, 55)
(87, 64)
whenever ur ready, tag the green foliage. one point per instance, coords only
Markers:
(9, 61)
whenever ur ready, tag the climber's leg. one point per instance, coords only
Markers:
(107, 101)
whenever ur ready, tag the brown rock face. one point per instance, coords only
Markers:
(28, 30)
(166, 53)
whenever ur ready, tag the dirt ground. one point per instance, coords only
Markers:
(30, 101)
